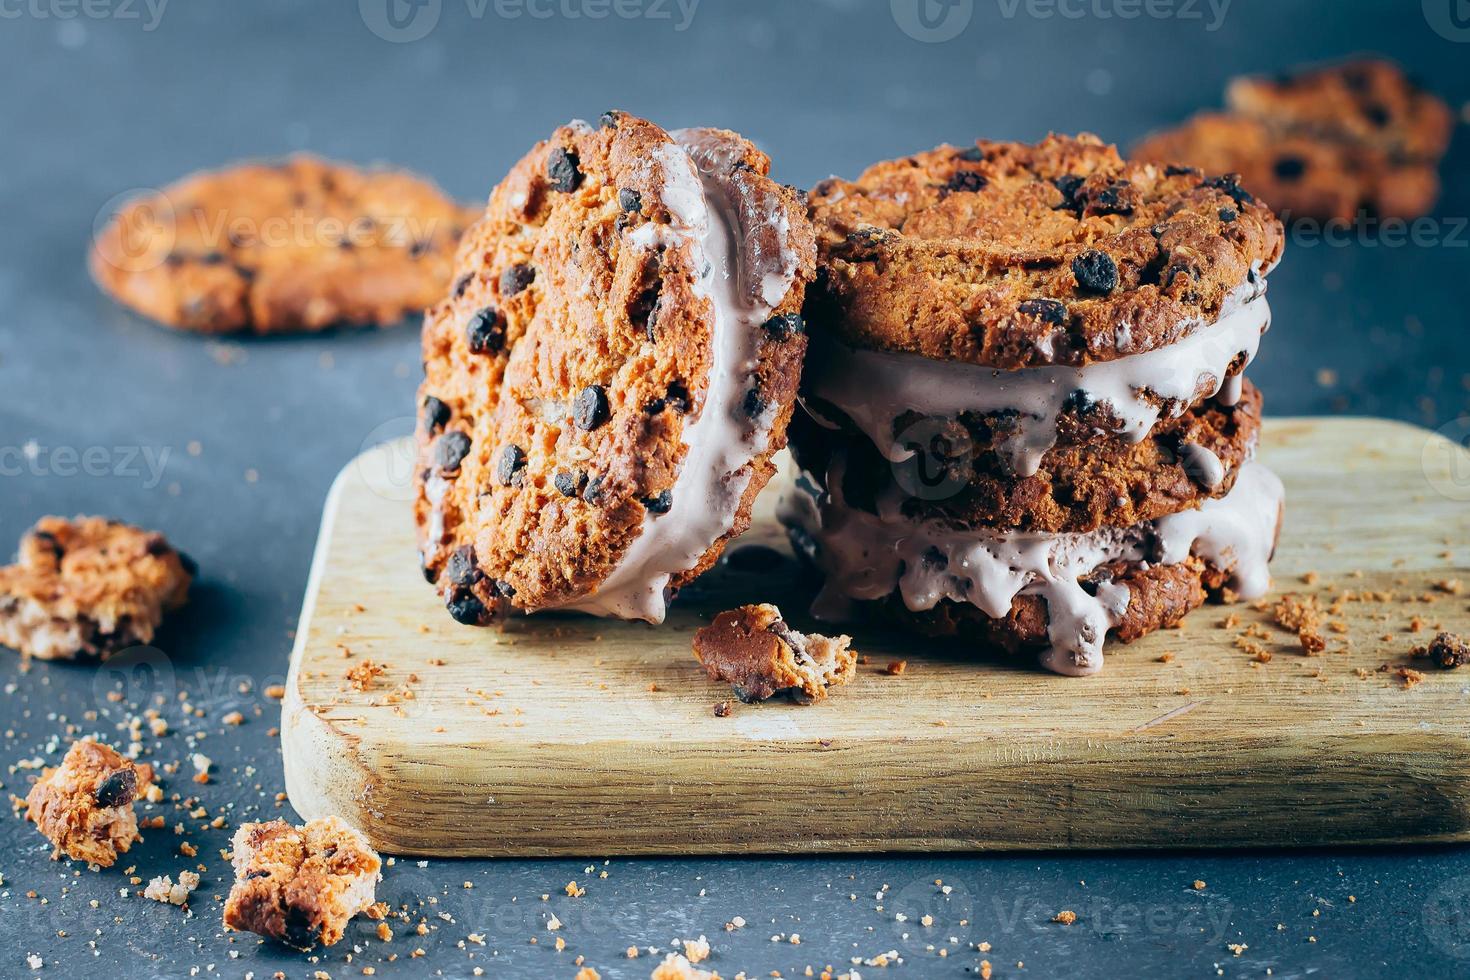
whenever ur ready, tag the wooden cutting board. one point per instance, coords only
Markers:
(572, 736)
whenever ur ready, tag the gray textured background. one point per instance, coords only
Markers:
(103, 99)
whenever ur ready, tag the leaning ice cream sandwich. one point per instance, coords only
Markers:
(1026, 418)
(611, 373)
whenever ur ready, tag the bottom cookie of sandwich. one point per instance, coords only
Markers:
(1059, 595)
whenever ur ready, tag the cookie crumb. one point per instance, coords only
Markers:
(165, 889)
(1448, 651)
(1066, 917)
(677, 967)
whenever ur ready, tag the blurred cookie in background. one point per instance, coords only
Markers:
(1339, 142)
(300, 245)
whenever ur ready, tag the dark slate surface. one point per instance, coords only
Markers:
(104, 98)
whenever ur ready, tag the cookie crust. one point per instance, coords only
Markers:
(89, 587)
(574, 359)
(273, 248)
(1012, 255)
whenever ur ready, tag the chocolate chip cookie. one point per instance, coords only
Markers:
(615, 364)
(297, 246)
(89, 587)
(1010, 255)
(1331, 143)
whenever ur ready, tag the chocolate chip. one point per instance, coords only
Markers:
(451, 448)
(430, 575)
(592, 493)
(1047, 310)
(1228, 215)
(117, 789)
(643, 311)
(935, 559)
(561, 170)
(1069, 185)
(191, 567)
(569, 484)
(1289, 167)
(466, 608)
(419, 248)
(610, 119)
(754, 404)
(1230, 184)
(1096, 272)
(509, 468)
(505, 589)
(1173, 170)
(590, 409)
(1378, 115)
(435, 415)
(1078, 401)
(1113, 199)
(971, 154)
(299, 929)
(678, 398)
(463, 283)
(485, 332)
(966, 181)
(629, 199)
(661, 503)
(462, 567)
(786, 325)
(515, 279)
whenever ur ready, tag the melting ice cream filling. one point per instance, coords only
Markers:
(867, 557)
(876, 389)
(713, 214)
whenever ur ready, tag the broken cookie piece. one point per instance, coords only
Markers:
(89, 587)
(300, 885)
(760, 656)
(1448, 651)
(85, 805)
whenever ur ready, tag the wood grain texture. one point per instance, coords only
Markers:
(570, 736)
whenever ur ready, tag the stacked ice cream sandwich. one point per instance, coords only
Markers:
(1026, 422)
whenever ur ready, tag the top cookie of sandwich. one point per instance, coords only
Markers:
(1012, 255)
(296, 246)
(614, 368)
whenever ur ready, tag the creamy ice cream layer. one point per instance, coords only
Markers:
(877, 389)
